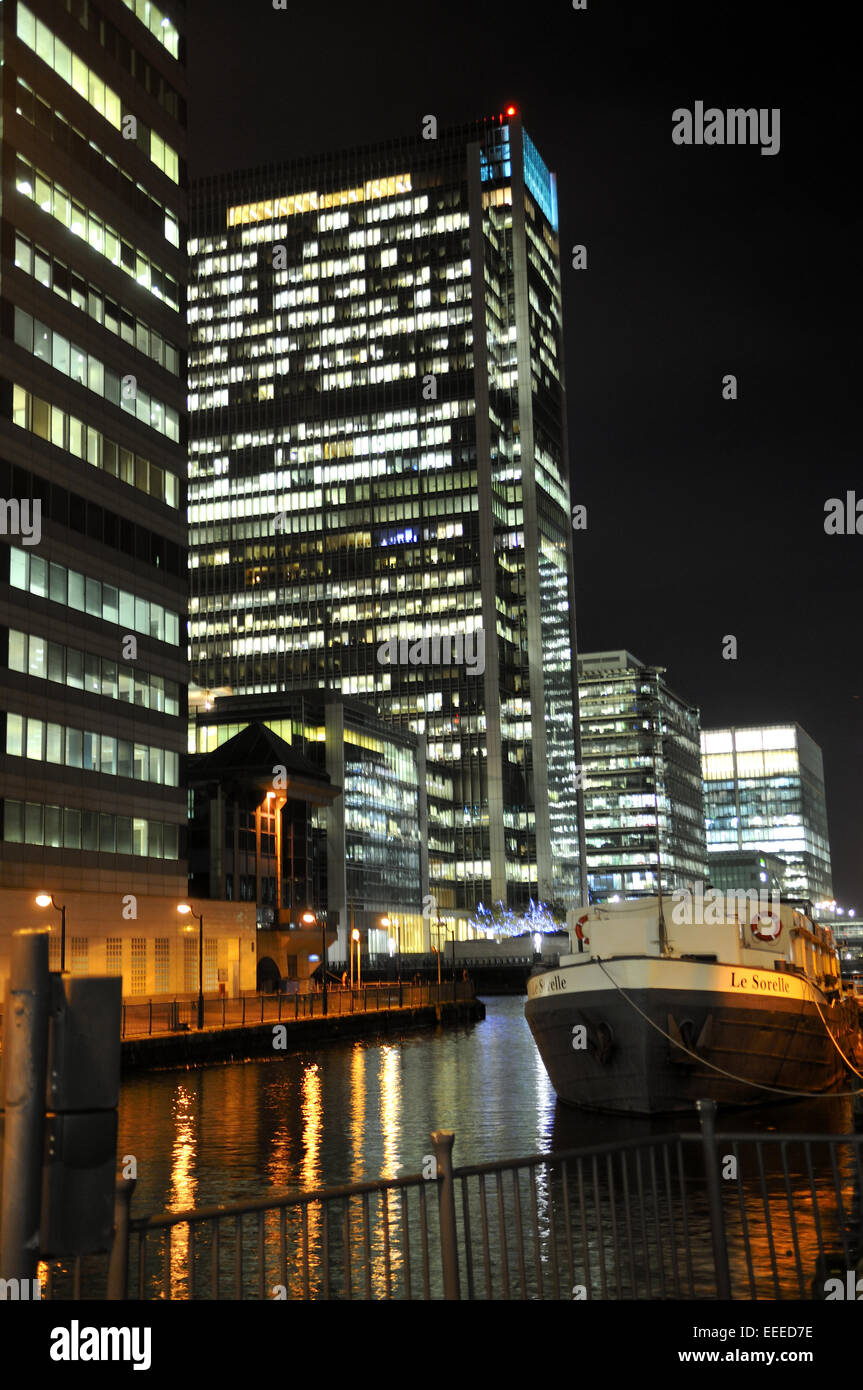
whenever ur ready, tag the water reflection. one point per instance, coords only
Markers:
(183, 1184)
(356, 1111)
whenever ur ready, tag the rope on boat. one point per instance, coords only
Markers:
(847, 1062)
(762, 1086)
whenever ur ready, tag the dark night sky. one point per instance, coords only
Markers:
(705, 517)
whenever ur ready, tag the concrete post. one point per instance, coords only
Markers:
(27, 1016)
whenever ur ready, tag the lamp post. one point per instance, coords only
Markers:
(310, 919)
(186, 909)
(47, 900)
(355, 937)
(386, 923)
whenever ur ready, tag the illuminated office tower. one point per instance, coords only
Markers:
(92, 443)
(644, 808)
(764, 790)
(378, 454)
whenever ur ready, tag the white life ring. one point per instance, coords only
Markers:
(766, 926)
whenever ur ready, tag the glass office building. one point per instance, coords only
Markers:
(372, 833)
(93, 569)
(642, 777)
(379, 498)
(764, 790)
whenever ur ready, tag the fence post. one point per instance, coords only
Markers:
(150, 1020)
(707, 1120)
(118, 1263)
(28, 1007)
(262, 1008)
(244, 1010)
(442, 1143)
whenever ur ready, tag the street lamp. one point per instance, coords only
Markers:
(47, 900)
(355, 937)
(185, 909)
(310, 919)
(386, 923)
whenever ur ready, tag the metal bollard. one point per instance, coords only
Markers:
(118, 1261)
(442, 1143)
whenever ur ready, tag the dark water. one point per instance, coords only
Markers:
(632, 1224)
(364, 1110)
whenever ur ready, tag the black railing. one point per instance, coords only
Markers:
(178, 1015)
(675, 1216)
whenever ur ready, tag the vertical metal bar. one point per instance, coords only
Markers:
(442, 1144)
(536, 1235)
(118, 1261)
(325, 1246)
(567, 1225)
(552, 1236)
(238, 1257)
(283, 1248)
(600, 1242)
(385, 1220)
(486, 1257)
(627, 1211)
(468, 1252)
(304, 1216)
(406, 1241)
(501, 1226)
(768, 1221)
(142, 1262)
(707, 1119)
(166, 1268)
(585, 1245)
(612, 1202)
(424, 1238)
(28, 1006)
(657, 1220)
(367, 1245)
(519, 1230)
(684, 1207)
(347, 1240)
(644, 1243)
(744, 1221)
(262, 1255)
(843, 1217)
(791, 1221)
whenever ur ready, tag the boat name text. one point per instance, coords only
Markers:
(765, 984)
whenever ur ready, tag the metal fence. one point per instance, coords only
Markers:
(676, 1216)
(177, 1015)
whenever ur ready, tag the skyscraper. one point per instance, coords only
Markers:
(379, 496)
(764, 790)
(93, 574)
(644, 808)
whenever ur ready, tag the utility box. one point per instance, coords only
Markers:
(83, 1089)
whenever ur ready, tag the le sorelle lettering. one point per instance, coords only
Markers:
(762, 984)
